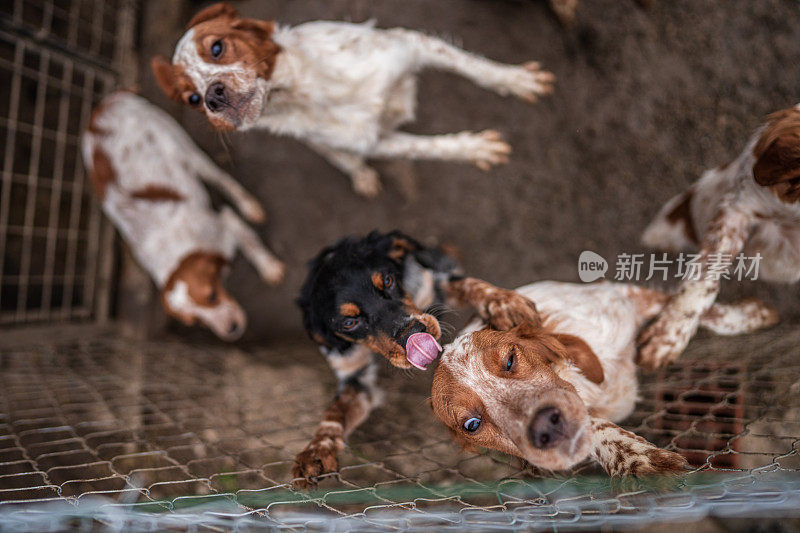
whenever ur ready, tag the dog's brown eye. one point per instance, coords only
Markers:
(512, 355)
(349, 323)
(388, 280)
(212, 296)
(472, 425)
(194, 99)
(216, 49)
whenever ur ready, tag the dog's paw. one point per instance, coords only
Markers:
(529, 82)
(657, 461)
(319, 457)
(564, 10)
(487, 149)
(663, 341)
(506, 309)
(272, 270)
(758, 315)
(366, 182)
(252, 210)
(623, 453)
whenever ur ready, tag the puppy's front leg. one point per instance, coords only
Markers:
(485, 149)
(501, 308)
(622, 453)
(364, 178)
(208, 171)
(358, 395)
(667, 337)
(269, 267)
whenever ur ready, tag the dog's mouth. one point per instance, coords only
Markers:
(416, 346)
(239, 111)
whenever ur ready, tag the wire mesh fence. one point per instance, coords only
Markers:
(157, 435)
(57, 60)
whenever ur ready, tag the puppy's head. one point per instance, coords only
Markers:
(221, 66)
(354, 294)
(194, 292)
(499, 390)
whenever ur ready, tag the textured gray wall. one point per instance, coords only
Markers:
(645, 100)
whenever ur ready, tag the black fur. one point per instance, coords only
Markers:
(342, 273)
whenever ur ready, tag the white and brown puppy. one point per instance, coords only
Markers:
(342, 88)
(750, 206)
(145, 170)
(551, 392)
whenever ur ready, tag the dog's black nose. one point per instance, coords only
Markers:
(216, 98)
(233, 328)
(414, 327)
(546, 428)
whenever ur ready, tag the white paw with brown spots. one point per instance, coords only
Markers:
(663, 341)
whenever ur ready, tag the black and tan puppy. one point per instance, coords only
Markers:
(364, 298)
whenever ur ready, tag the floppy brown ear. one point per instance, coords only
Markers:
(528, 330)
(400, 248)
(778, 149)
(780, 162)
(259, 29)
(221, 9)
(577, 352)
(164, 72)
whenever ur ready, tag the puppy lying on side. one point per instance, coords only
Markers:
(366, 298)
(752, 206)
(342, 88)
(145, 171)
(550, 391)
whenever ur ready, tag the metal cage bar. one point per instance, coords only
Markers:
(57, 60)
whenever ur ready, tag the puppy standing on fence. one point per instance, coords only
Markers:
(549, 391)
(145, 171)
(342, 88)
(752, 206)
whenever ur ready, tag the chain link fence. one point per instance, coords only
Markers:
(168, 435)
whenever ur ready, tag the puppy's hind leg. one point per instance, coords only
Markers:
(742, 317)
(364, 178)
(484, 149)
(622, 453)
(526, 81)
(268, 265)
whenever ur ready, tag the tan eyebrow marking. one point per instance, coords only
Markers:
(377, 280)
(349, 309)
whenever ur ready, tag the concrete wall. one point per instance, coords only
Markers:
(645, 100)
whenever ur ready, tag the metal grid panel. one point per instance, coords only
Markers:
(211, 432)
(56, 62)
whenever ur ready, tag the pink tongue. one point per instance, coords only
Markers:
(422, 349)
